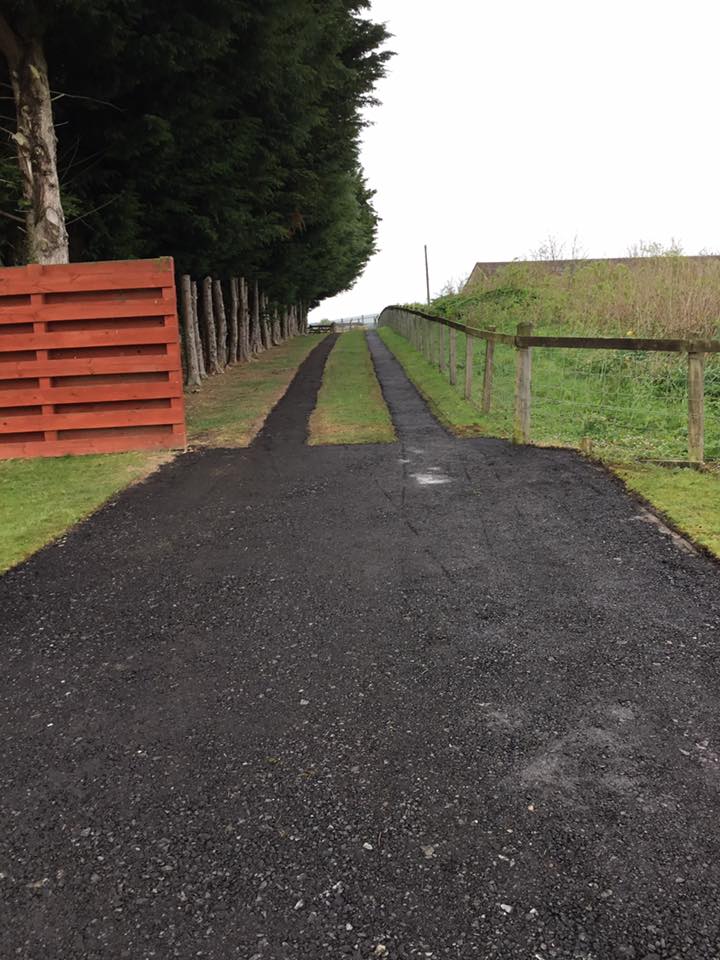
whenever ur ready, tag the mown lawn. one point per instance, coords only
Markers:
(40, 499)
(350, 406)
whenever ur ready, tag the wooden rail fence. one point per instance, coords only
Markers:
(427, 333)
(89, 359)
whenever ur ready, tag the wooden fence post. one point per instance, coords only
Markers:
(469, 355)
(453, 356)
(488, 373)
(696, 406)
(198, 335)
(220, 324)
(194, 380)
(523, 380)
(443, 356)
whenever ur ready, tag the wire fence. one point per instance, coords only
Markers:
(624, 402)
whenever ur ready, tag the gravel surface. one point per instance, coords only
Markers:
(437, 699)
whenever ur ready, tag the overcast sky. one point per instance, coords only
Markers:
(505, 122)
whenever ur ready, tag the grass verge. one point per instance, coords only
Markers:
(41, 499)
(445, 401)
(230, 409)
(690, 500)
(350, 406)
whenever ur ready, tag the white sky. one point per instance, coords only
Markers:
(506, 121)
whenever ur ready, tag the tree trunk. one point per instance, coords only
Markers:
(196, 328)
(255, 339)
(244, 321)
(264, 325)
(234, 327)
(220, 324)
(47, 239)
(276, 331)
(210, 331)
(193, 379)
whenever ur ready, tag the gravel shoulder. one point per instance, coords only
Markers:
(436, 698)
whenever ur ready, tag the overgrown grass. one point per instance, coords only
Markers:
(230, 409)
(350, 406)
(691, 500)
(40, 499)
(446, 403)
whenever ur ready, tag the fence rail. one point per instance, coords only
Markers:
(427, 333)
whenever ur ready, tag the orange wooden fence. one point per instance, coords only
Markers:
(89, 359)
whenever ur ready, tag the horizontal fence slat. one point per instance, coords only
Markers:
(85, 445)
(83, 310)
(87, 277)
(91, 420)
(66, 368)
(89, 394)
(86, 338)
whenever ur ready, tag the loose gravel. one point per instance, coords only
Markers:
(436, 698)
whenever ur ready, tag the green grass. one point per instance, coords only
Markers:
(41, 499)
(445, 401)
(230, 409)
(688, 498)
(350, 406)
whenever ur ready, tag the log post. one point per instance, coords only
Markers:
(221, 324)
(696, 406)
(233, 348)
(210, 330)
(193, 379)
(196, 327)
(469, 356)
(523, 381)
(453, 356)
(443, 354)
(488, 374)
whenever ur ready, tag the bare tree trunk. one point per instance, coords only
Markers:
(193, 370)
(210, 327)
(264, 325)
(234, 330)
(47, 239)
(196, 327)
(220, 324)
(244, 321)
(256, 343)
(276, 331)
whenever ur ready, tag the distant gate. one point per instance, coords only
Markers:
(89, 359)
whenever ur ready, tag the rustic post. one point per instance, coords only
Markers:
(523, 379)
(233, 349)
(453, 356)
(221, 324)
(488, 373)
(428, 340)
(193, 379)
(210, 326)
(196, 326)
(443, 353)
(696, 405)
(469, 353)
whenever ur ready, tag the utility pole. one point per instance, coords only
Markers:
(427, 276)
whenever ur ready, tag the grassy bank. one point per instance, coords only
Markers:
(350, 406)
(41, 499)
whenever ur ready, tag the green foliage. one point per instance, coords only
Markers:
(223, 133)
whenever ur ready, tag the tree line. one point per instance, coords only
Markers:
(225, 134)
